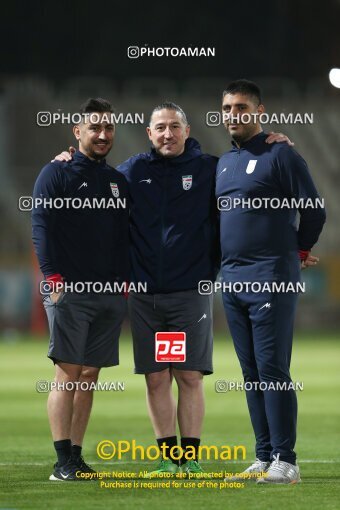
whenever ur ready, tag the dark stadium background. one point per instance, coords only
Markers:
(56, 54)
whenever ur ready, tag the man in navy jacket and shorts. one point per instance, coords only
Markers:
(80, 234)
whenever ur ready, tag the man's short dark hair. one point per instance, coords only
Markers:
(169, 105)
(96, 105)
(244, 87)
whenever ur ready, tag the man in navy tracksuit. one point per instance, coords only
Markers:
(263, 244)
(173, 246)
(79, 242)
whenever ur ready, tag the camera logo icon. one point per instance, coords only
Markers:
(42, 386)
(133, 52)
(46, 288)
(25, 203)
(213, 119)
(205, 287)
(221, 386)
(44, 119)
(224, 203)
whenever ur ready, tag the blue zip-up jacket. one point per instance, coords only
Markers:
(85, 244)
(261, 244)
(172, 218)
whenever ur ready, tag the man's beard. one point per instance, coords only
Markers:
(98, 157)
(241, 137)
(238, 138)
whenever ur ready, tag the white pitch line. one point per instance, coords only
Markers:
(110, 463)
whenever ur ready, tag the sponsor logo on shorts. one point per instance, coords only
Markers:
(170, 346)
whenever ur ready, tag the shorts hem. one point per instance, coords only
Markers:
(141, 371)
(96, 365)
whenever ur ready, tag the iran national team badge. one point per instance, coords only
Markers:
(114, 189)
(187, 182)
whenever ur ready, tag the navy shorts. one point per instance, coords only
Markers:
(85, 328)
(185, 311)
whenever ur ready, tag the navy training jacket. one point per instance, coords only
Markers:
(261, 244)
(82, 244)
(173, 220)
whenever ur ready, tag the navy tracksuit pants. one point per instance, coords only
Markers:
(261, 325)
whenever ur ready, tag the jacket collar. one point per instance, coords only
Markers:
(81, 158)
(252, 142)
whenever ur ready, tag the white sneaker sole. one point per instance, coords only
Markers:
(250, 479)
(55, 479)
(264, 481)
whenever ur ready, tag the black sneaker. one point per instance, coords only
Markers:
(66, 473)
(82, 465)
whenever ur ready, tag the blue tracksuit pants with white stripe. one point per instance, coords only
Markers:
(261, 325)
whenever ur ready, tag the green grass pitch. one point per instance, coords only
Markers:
(27, 454)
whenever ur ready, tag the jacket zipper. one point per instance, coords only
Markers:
(236, 164)
(162, 240)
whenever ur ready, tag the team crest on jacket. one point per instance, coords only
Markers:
(186, 182)
(114, 189)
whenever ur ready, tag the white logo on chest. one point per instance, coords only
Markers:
(251, 166)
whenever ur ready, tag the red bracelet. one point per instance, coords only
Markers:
(54, 278)
(303, 254)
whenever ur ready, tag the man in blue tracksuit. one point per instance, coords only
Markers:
(262, 245)
(173, 247)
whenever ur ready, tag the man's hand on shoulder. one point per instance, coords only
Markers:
(278, 138)
(65, 156)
